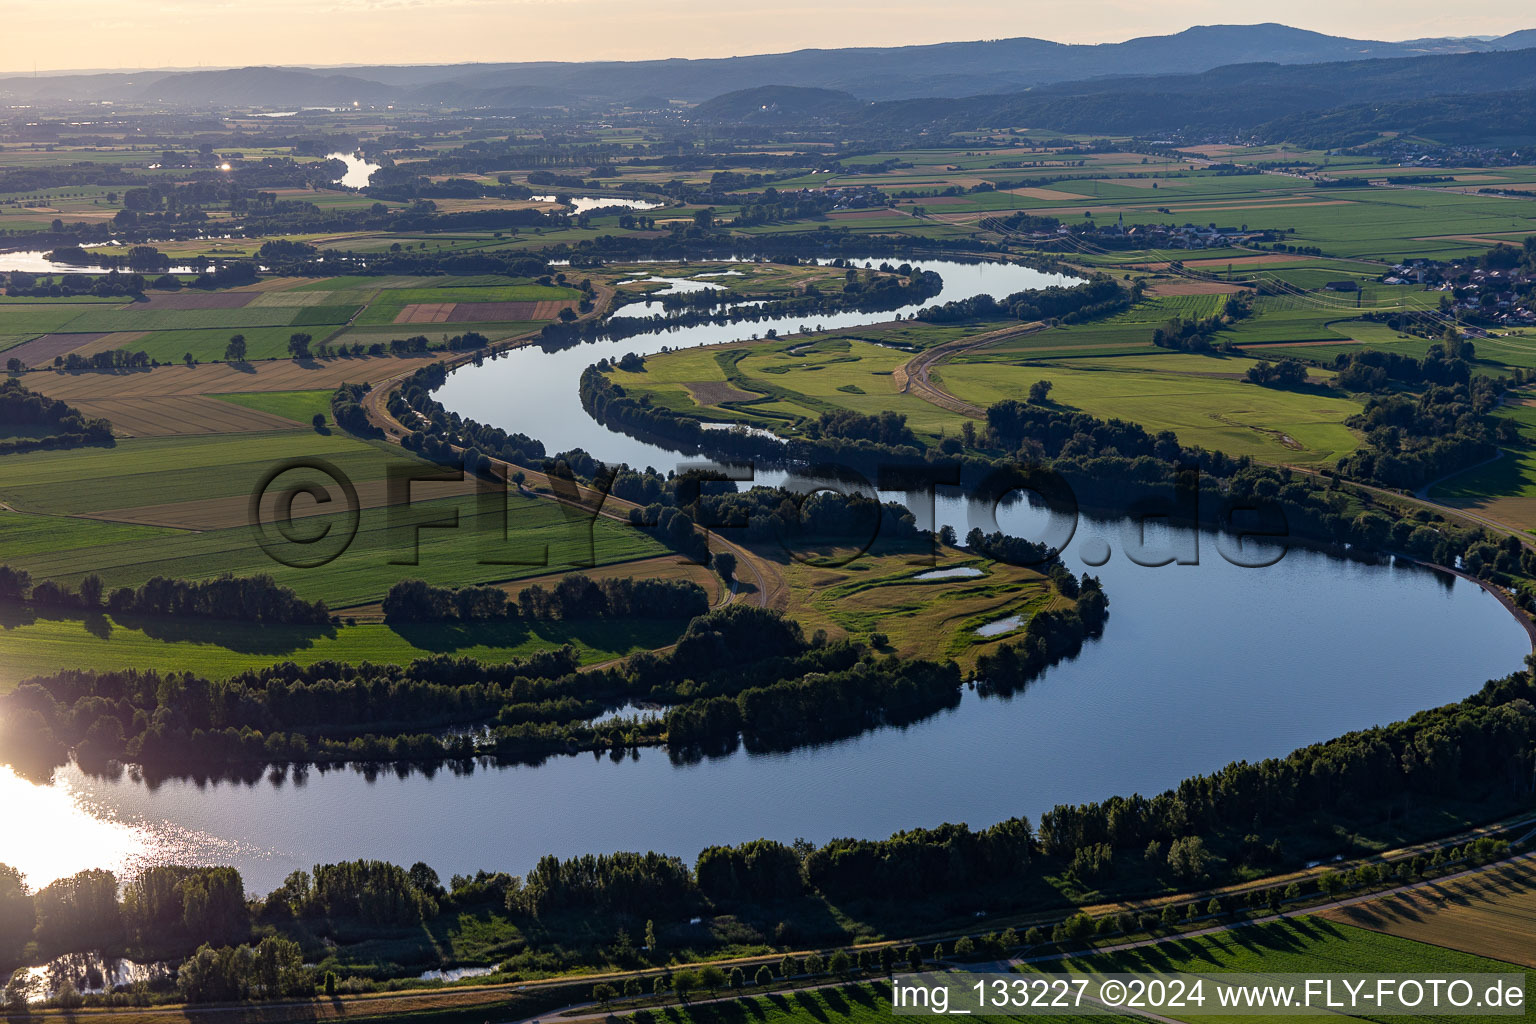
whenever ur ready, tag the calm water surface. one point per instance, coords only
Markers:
(1200, 665)
(586, 204)
(359, 170)
(536, 392)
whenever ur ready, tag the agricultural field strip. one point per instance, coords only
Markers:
(1492, 914)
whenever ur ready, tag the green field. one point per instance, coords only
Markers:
(155, 471)
(1198, 397)
(853, 1004)
(202, 484)
(364, 307)
(299, 406)
(541, 539)
(879, 593)
(1305, 945)
(795, 378)
(34, 646)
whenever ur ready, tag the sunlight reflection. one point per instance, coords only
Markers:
(61, 833)
(63, 828)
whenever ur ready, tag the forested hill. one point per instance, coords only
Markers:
(778, 102)
(1234, 99)
(870, 73)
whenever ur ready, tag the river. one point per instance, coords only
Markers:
(1199, 665)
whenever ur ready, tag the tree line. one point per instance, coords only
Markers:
(1098, 296)
(284, 712)
(257, 598)
(1248, 817)
(575, 596)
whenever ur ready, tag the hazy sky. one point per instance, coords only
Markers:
(159, 33)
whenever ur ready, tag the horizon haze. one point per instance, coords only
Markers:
(373, 32)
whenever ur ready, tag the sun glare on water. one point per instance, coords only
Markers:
(57, 830)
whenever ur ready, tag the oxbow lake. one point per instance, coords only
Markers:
(1199, 665)
(359, 170)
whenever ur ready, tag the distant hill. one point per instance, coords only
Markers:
(945, 70)
(777, 102)
(1222, 100)
(281, 87)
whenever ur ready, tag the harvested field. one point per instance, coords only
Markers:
(1491, 914)
(492, 312)
(858, 214)
(179, 414)
(716, 392)
(426, 313)
(274, 284)
(1188, 287)
(1048, 194)
(42, 351)
(1518, 510)
(194, 300)
(216, 378)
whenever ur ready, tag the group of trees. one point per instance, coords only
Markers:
(579, 597)
(110, 285)
(271, 969)
(348, 413)
(1449, 362)
(635, 885)
(814, 708)
(236, 598)
(1416, 439)
(1287, 373)
(575, 596)
(913, 861)
(204, 914)
(1191, 334)
(108, 359)
(282, 713)
(1097, 296)
(37, 421)
(889, 428)
(174, 904)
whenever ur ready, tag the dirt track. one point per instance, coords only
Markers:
(912, 376)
